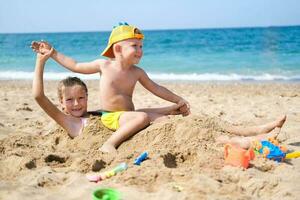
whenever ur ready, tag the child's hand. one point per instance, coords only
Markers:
(41, 47)
(184, 107)
(174, 110)
(44, 57)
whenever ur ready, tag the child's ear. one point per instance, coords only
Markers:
(117, 48)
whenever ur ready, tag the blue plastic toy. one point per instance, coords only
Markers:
(273, 153)
(141, 158)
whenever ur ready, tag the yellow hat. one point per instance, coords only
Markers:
(118, 34)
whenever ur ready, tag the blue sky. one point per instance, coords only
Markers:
(95, 15)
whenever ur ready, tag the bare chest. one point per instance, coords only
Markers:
(122, 82)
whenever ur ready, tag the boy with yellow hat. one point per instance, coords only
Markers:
(119, 75)
(119, 33)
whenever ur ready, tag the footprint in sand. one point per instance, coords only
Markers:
(31, 164)
(55, 158)
(98, 165)
(170, 160)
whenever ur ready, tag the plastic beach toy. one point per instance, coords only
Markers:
(237, 156)
(141, 158)
(295, 154)
(104, 175)
(270, 150)
(106, 194)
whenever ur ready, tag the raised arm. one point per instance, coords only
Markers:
(161, 91)
(39, 95)
(68, 62)
(71, 64)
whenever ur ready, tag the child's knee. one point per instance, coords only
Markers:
(143, 118)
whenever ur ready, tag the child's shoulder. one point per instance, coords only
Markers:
(137, 68)
(102, 63)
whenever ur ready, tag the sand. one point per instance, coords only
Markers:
(39, 161)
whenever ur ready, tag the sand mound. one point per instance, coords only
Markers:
(183, 157)
(174, 141)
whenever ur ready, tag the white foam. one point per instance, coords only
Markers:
(221, 77)
(19, 75)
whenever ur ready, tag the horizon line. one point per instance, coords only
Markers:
(171, 29)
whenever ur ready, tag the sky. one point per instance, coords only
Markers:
(28, 16)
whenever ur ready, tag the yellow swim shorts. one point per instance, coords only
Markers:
(111, 119)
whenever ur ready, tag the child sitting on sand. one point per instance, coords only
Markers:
(119, 75)
(73, 96)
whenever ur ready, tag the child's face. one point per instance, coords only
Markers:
(74, 100)
(132, 49)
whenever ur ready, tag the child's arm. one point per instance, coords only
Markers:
(162, 92)
(71, 64)
(39, 95)
(67, 62)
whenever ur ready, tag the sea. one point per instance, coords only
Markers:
(220, 54)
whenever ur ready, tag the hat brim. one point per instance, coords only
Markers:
(108, 52)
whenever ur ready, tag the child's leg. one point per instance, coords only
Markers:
(130, 123)
(241, 141)
(262, 132)
(167, 110)
(256, 130)
(160, 114)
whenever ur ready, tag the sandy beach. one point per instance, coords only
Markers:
(39, 161)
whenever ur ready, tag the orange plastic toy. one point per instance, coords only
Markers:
(237, 156)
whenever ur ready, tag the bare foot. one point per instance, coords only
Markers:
(278, 123)
(108, 148)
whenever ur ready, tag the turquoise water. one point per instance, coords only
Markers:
(202, 54)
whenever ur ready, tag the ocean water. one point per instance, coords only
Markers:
(238, 54)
